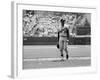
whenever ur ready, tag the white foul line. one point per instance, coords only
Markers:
(53, 59)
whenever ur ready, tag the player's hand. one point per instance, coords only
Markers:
(67, 40)
(72, 35)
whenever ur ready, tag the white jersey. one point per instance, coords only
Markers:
(63, 33)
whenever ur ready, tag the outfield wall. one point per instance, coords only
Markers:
(53, 41)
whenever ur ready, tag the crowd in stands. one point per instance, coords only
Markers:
(46, 23)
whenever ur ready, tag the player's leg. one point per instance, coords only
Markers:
(65, 49)
(61, 46)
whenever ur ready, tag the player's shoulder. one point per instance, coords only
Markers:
(66, 26)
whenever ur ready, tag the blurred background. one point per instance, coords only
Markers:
(41, 27)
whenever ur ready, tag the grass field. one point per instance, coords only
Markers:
(48, 56)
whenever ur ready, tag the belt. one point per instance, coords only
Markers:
(63, 36)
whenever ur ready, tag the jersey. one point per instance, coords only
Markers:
(64, 33)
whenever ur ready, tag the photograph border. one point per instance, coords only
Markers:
(16, 54)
